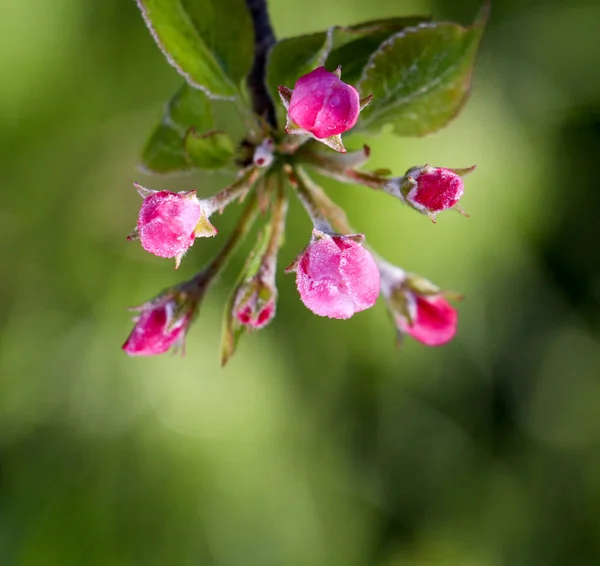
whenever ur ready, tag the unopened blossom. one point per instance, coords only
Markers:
(336, 276)
(169, 223)
(255, 303)
(434, 320)
(323, 104)
(418, 307)
(155, 330)
(432, 189)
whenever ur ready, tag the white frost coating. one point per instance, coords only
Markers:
(410, 197)
(172, 61)
(264, 153)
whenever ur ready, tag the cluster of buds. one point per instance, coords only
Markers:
(337, 276)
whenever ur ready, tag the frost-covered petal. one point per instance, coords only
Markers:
(324, 105)
(167, 222)
(154, 333)
(436, 189)
(337, 277)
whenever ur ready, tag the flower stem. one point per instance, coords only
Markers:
(264, 39)
(290, 144)
(337, 169)
(302, 183)
(280, 207)
(205, 277)
(226, 196)
(318, 199)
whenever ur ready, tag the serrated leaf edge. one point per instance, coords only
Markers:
(172, 61)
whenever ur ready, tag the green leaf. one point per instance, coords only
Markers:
(351, 46)
(165, 151)
(420, 78)
(209, 42)
(291, 58)
(212, 150)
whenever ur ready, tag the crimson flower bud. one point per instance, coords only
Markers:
(434, 322)
(431, 189)
(323, 106)
(336, 276)
(169, 223)
(419, 308)
(255, 303)
(156, 329)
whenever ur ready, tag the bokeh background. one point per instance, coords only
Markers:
(320, 443)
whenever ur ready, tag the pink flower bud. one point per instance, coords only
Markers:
(418, 306)
(324, 105)
(155, 331)
(433, 189)
(255, 304)
(434, 322)
(336, 276)
(167, 222)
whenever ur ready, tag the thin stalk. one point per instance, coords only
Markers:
(264, 39)
(331, 169)
(319, 201)
(280, 207)
(203, 278)
(236, 190)
(339, 221)
(301, 182)
(290, 144)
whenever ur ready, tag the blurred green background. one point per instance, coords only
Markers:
(320, 443)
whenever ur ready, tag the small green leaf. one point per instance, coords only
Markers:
(420, 78)
(165, 151)
(212, 150)
(351, 46)
(209, 42)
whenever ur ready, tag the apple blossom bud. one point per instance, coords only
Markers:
(434, 321)
(169, 223)
(254, 305)
(430, 189)
(323, 106)
(336, 276)
(264, 153)
(156, 329)
(419, 308)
